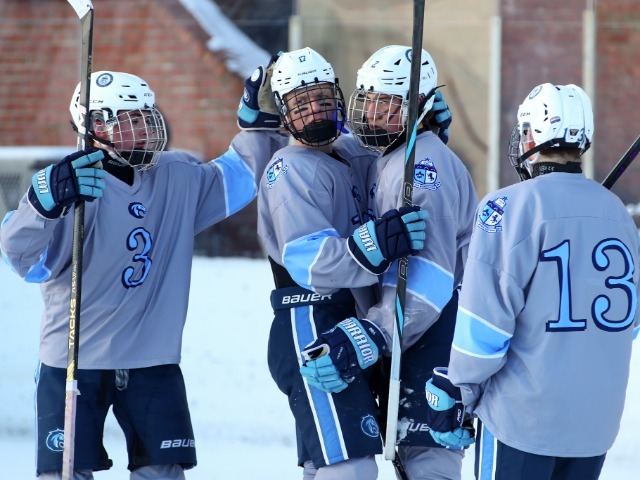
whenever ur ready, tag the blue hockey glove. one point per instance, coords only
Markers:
(77, 177)
(257, 109)
(442, 116)
(333, 360)
(446, 418)
(396, 234)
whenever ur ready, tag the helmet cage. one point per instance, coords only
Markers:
(310, 115)
(134, 137)
(519, 164)
(390, 112)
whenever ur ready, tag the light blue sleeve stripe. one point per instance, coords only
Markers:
(427, 281)
(300, 255)
(38, 273)
(635, 332)
(7, 217)
(320, 401)
(239, 182)
(476, 337)
(4, 256)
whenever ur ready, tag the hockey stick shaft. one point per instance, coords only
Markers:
(403, 264)
(84, 10)
(619, 168)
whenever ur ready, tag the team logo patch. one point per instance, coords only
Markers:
(425, 175)
(369, 426)
(137, 209)
(490, 218)
(275, 171)
(55, 440)
(104, 80)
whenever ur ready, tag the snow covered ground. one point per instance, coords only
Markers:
(242, 423)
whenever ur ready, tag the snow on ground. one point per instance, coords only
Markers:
(242, 423)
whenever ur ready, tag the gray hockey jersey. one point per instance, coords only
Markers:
(308, 205)
(138, 247)
(443, 187)
(547, 314)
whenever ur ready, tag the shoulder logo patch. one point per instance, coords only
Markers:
(425, 175)
(490, 217)
(275, 171)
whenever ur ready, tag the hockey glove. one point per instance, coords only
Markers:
(77, 177)
(333, 360)
(396, 234)
(446, 416)
(257, 109)
(442, 116)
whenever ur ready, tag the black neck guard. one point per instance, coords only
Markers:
(550, 167)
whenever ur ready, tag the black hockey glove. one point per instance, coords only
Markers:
(76, 177)
(397, 234)
(332, 361)
(446, 419)
(257, 109)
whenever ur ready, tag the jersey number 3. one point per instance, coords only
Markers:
(600, 258)
(138, 238)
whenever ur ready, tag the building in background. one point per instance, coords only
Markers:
(196, 53)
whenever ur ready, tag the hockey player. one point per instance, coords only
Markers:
(143, 208)
(378, 111)
(548, 308)
(326, 252)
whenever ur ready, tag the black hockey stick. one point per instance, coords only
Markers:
(391, 433)
(622, 164)
(84, 9)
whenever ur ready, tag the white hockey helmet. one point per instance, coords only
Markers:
(296, 76)
(388, 72)
(297, 68)
(124, 107)
(555, 116)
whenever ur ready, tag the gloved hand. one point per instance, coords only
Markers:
(446, 419)
(396, 234)
(442, 116)
(333, 360)
(77, 177)
(257, 109)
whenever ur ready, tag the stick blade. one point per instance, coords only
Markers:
(82, 7)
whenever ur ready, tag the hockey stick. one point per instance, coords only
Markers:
(619, 168)
(84, 9)
(391, 433)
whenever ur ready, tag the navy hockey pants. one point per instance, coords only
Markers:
(497, 461)
(330, 428)
(150, 406)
